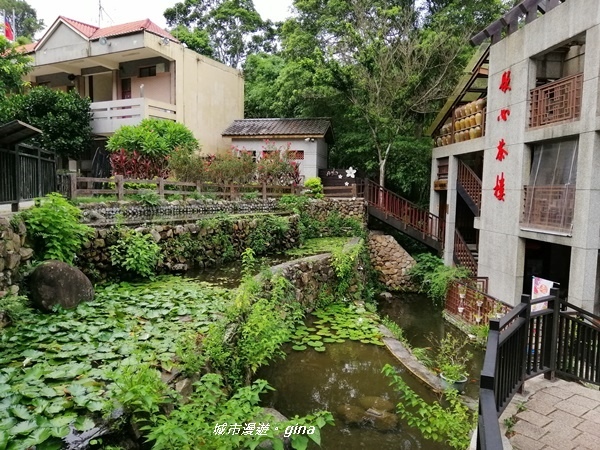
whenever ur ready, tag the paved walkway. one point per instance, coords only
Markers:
(556, 414)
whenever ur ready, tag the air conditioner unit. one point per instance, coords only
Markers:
(160, 68)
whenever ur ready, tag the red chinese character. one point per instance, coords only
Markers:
(502, 152)
(504, 113)
(505, 83)
(499, 188)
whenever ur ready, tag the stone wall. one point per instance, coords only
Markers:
(12, 254)
(101, 213)
(391, 261)
(354, 208)
(312, 275)
(192, 245)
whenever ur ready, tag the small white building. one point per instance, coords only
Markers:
(307, 138)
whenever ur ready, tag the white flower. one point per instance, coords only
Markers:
(339, 176)
(350, 172)
(347, 184)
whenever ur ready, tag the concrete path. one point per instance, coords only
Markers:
(550, 415)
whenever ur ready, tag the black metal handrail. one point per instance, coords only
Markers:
(545, 336)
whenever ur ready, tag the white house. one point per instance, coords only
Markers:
(307, 138)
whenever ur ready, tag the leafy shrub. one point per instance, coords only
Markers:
(189, 166)
(53, 225)
(136, 253)
(314, 186)
(232, 167)
(136, 165)
(148, 197)
(13, 308)
(250, 195)
(154, 138)
(275, 166)
(451, 424)
(434, 278)
(269, 229)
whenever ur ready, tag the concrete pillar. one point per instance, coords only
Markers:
(451, 211)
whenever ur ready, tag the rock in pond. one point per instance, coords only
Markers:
(57, 283)
(378, 403)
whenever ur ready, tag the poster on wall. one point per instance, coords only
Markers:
(540, 288)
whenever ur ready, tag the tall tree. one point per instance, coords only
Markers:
(392, 60)
(227, 30)
(26, 21)
(13, 67)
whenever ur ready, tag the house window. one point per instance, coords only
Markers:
(550, 195)
(147, 71)
(296, 154)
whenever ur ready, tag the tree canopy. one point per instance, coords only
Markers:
(63, 117)
(226, 30)
(26, 21)
(13, 67)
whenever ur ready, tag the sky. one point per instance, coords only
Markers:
(121, 11)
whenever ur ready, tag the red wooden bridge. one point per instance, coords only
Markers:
(404, 215)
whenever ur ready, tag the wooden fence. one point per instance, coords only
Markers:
(73, 186)
(26, 172)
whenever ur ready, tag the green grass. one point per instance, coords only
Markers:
(318, 245)
(55, 368)
(95, 199)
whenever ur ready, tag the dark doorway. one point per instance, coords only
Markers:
(549, 261)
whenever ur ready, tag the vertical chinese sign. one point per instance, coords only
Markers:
(501, 151)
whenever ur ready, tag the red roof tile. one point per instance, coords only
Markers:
(84, 28)
(132, 27)
(27, 48)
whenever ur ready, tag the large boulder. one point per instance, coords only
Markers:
(57, 283)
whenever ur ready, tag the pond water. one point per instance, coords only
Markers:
(348, 374)
(420, 319)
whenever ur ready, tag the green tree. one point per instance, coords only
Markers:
(63, 117)
(26, 21)
(13, 67)
(227, 30)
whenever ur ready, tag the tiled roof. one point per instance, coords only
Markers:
(27, 48)
(92, 32)
(132, 27)
(84, 28)
(314, 127)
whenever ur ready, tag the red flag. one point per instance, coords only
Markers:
(8, 30)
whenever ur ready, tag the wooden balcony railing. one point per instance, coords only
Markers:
(462, 254)
(470, 182)
(549, 208)
(556, 102)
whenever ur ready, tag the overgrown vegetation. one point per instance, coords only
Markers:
(451, 424)
(311, 227)
(54, 229)
(434, 278)
(13, 308)
(136, 253)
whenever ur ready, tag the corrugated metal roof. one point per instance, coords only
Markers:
(313, 127)
(16, 131)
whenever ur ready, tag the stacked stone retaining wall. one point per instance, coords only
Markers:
(390, 261)
(12, 254)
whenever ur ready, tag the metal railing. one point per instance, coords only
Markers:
(544, 336)
(426, 224)
(549, 208)
(555, 102)
(26, 172)
(469, 301)
(108, 116)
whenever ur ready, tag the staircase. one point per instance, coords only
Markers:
(405, 216)
(468, 186)
(465, 254)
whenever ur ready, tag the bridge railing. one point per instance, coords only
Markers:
(411, 215)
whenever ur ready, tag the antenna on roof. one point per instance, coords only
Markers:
(100, 11)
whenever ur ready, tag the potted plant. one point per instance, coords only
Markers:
(452, 359)
(479, 299)
(462, 291)
(453, 376)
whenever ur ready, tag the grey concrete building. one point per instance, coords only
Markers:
(521, 194)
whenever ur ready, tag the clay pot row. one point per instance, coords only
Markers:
(468, 122)
(470, 108)
(459, 136)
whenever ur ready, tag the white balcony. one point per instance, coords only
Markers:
(111, 115)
